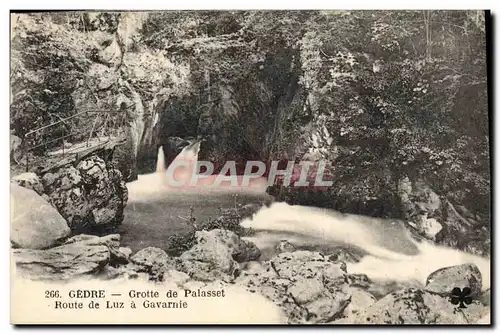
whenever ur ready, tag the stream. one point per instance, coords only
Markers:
(155, 212)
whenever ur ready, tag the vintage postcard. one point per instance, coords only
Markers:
(250, 167)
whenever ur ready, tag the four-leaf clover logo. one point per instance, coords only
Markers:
(461, 296)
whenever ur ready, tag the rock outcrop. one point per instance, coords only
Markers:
(91, 196)
(436, 218)
(35, 224)
(446, 279)
(309, 287)
(416, 306)
(80, 255)
(61, 263)
(216, 255)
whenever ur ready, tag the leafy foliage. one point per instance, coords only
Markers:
(402, 93)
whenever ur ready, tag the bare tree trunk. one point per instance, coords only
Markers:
(428, 34)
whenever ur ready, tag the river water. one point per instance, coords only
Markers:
(155, 212)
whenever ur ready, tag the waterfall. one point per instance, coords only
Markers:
(182, 167)
(390, 252)
(154, 184)
(160, 162)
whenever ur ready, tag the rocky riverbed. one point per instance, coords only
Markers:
(309, 287)
(56, 215)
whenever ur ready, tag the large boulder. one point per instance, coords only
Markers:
(88, 254)
(211, 257)
(30, 181)
(153, 261)
(61, 263)
(241, 250)
(444, 280)
(215, 255)
(118, 255)
(306, 285)
(359, 301)
(91, 196)
(417, 306)
(150, 257)
(35, 224)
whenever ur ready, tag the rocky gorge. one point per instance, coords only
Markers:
(395, 102)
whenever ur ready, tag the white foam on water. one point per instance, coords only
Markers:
(312, 224)
(181, 170)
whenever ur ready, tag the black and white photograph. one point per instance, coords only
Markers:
(293, 167)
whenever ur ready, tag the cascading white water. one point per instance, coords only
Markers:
(182, 166)
(160, 162)
(392, 254)
(387, 258)
(152, 185)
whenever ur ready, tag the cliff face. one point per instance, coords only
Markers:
(68, 63)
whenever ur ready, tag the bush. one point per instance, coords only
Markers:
(229, 220)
